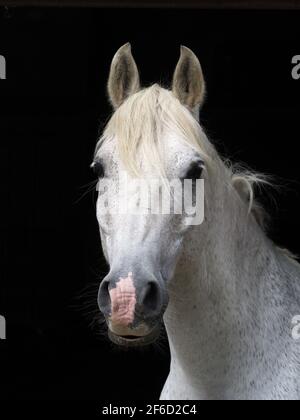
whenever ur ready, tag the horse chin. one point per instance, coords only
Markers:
(134, 341)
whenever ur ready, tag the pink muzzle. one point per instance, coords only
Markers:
(123, 302)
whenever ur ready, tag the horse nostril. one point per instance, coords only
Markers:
(150, 297)
(104, 300)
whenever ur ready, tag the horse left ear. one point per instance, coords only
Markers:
(188, 80)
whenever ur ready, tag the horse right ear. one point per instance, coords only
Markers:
(124, 78)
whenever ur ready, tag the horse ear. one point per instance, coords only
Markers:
(188, 80)
(124, 77)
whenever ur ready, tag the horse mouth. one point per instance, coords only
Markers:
(134, 341)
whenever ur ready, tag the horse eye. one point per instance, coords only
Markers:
(98, 169)
(195, 171)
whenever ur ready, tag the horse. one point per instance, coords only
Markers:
(226, 294)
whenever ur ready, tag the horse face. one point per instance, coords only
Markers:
(141, 245)
(141, 241)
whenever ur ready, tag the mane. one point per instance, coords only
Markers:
(141, 121)
(246, 182)
(139, 124)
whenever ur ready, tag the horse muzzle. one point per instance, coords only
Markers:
(133, 308)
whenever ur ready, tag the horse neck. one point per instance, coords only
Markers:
(220, 268)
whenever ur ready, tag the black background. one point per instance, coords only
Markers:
(52, 106)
